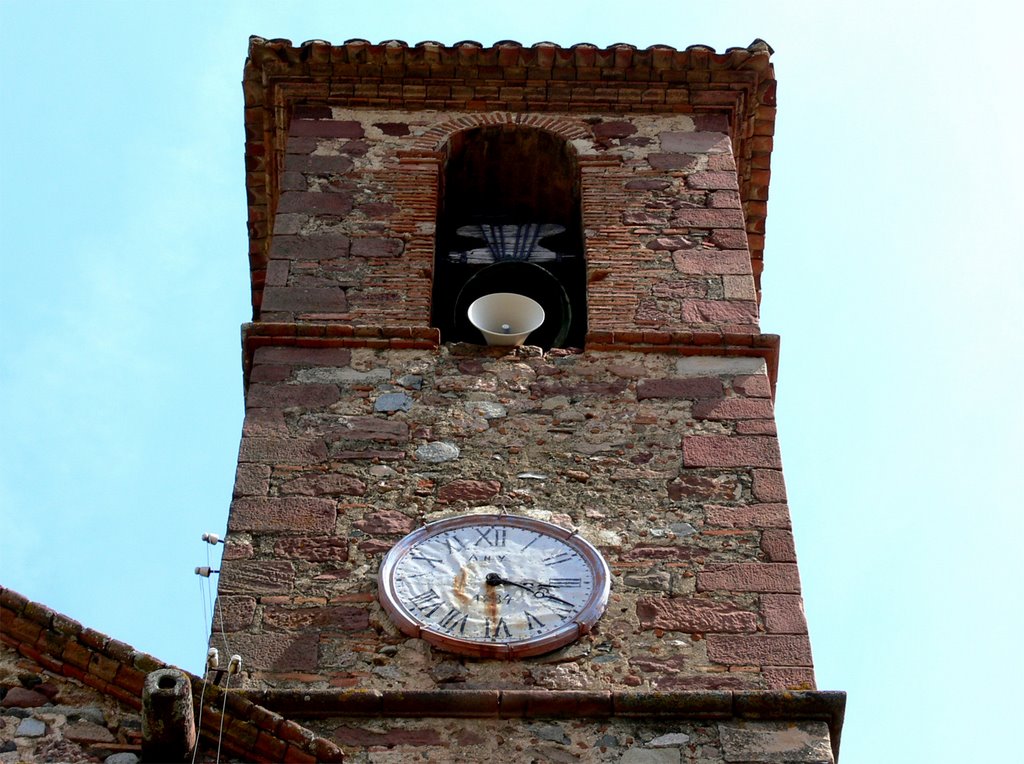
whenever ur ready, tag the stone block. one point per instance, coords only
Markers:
(693, 615)
(290, 514)
(779, 742)
(749, 577)
(259, 577)
(759, 649)
(731, 451)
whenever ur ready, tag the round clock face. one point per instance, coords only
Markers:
(498, 586)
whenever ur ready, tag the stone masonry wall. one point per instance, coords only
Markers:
(669, 464)
(354, 228)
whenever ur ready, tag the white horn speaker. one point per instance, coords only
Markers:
(505, 318)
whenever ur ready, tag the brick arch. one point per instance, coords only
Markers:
(438, 136)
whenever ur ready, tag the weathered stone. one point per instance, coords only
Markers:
(278, 450)
(760, 649)
(764, 741)
(692, 388)
(651, 756)
(370, 428)
(437, 452)
(30, 728)
(293, 513)
(389, 402)
(305, 299)
(87, 732)
(343, 617)
(693, 616)
(386, 522)
(719, 487)
(345, 376)
(656, 581)
(672, 161)
(750, 577)
(329, 484)
(485, 409)
(276, 651)
(669, 740)
(124, 757)
(20, 697)
(472, 491)
(695, 143)
(233, 613)
(553, 732)
(291, 396)
(256, 577)
(313, 548)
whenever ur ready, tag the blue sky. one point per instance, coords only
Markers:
(893, 273)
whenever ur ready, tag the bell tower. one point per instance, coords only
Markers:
(624, 192)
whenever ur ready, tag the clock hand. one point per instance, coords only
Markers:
(494, 579)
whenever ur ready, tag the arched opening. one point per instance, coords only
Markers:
(509, 221)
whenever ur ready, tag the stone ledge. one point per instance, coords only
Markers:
(824, 706)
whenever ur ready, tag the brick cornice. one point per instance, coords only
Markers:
(583, 79)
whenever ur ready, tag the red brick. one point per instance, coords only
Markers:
(304, 356)
(472, 491)
(386, 522)
(712, 261)
(292, 396)
(783, 613)
(712, 180)
(759, 649)
(749, 577)
(769, 485)
(256, 577)
(720, 311)
(296, 514)
(292, 299)
(326, 128)
(313, 548)
(733, 408)
(280, 449)
(681, 387)
(692, 615)
(731, 451)
(778, 546)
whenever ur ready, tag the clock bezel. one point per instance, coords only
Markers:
(582, 624)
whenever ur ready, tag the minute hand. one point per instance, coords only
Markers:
(495, 580)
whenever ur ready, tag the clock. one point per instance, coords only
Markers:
(494, 586)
